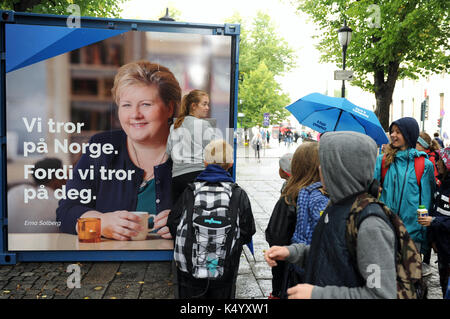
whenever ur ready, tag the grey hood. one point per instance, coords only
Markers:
(347, 161)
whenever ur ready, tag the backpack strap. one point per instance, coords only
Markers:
(419, 168)
(407, 257)
(383, 169)
(187, 249)
(356, 216)
(233, 211)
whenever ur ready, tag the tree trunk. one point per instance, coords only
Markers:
(384, 91)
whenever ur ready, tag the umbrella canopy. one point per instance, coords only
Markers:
(324, 114)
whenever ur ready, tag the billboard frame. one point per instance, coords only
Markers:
(12, 17)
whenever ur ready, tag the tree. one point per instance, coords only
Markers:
(391, 40)
(97, 8)
(263, 56)
(260, 94)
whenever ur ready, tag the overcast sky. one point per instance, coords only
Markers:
(308, 77)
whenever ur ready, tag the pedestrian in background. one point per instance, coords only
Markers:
(438, 139)
(431, 147)
(438, 220)
(257, 144)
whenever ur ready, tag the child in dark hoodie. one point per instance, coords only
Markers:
(218, 159)
(401, 192)
(347, 161)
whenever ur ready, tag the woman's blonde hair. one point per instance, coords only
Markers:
(433, 144)
(304, 171)
(219, 152)
(147, 73)
(192, 97)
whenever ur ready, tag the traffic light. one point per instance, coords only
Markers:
(422, 111)
(439, 123)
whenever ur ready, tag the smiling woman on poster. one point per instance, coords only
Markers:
(146, 95)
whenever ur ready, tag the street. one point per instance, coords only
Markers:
(154, 280)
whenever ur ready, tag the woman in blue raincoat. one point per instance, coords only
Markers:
(400, 188)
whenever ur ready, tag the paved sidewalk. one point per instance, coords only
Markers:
(154, 280)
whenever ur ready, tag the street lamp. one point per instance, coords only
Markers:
(345, 36)
(167, 17)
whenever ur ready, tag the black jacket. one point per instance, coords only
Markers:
(329, 261)
(279, 232)
(281, 225)
(440, 227)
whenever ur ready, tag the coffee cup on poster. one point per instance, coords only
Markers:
(144, 222)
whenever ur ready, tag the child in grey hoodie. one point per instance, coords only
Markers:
(347, 161)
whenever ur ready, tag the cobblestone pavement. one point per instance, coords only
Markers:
(154, 280)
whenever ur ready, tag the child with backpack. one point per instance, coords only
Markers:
(438, 220)
(406, 177)
(210, 223)
(296, 212)
(431, 147)
(347, 162)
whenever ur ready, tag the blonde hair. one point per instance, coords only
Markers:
(219, 152)
(390, 152)
(304, 171)
(433, 144)
(192, 97)
(147, 73)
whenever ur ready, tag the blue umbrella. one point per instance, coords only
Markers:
(324, 114)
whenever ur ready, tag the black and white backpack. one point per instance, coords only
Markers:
(208, 232)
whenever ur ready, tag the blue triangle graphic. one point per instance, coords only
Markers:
(29, 44)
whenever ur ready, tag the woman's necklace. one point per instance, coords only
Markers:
(145, 180)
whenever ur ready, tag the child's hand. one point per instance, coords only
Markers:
(301, 291)
(425, 221)
(275, 253)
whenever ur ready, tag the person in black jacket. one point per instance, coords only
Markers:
(217, 163)
(439, 219)
(281, 227)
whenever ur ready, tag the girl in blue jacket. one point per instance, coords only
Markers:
(400, 189)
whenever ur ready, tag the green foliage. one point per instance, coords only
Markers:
(414, 33)
(392, 39)
(263, 55)
(260, 93)
(93, 8)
